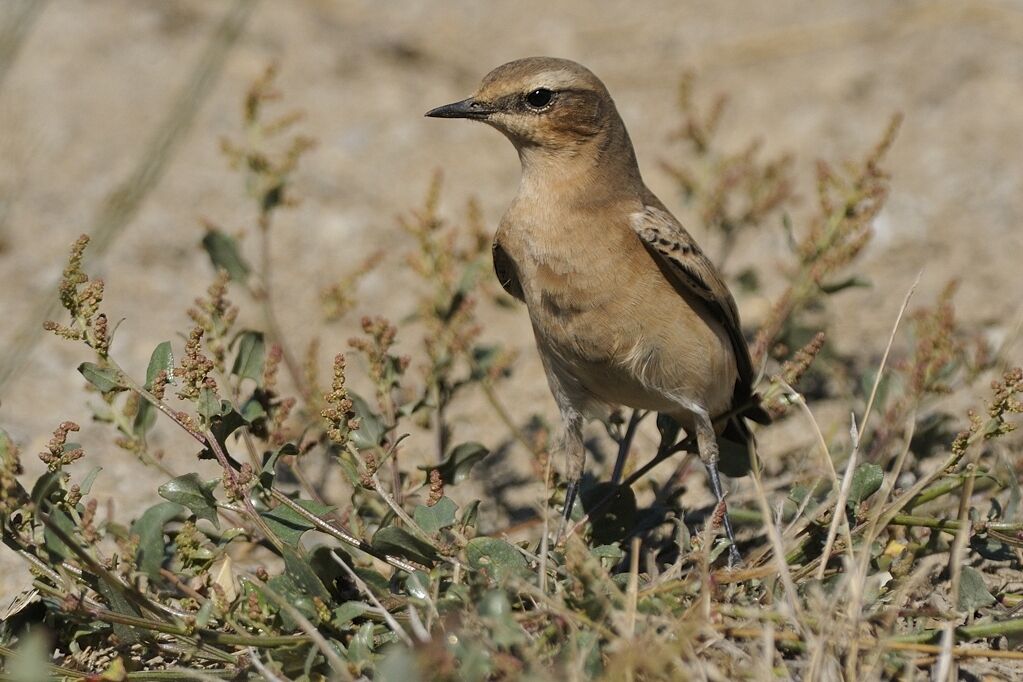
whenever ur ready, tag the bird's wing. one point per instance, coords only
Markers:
(691, 271)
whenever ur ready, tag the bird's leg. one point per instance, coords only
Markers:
(706, 441)
(575, 459)
(625, 444)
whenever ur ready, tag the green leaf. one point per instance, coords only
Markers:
(202, 618)
(55, 546)
(252, 410)
(227, 422)
(973, 592)
(496, 608)
(417, 584)
(90, 478)
(494, 604)
(393, 369)
(499, 559)
(799, 491)
(1012, 507)
(613, 552)
(433, 519)
(399, 542)
(484, 357)
(120, 604)
(413, 406)
(248, 363)
(145, 419)
(587, 643)
(347, 612)
(288, 524)
(305, 577)
(372, 578)
(149, 528)
(190, 491)
(866, 481)
(106, 379)
(471, 275)
(269, 469)
(161, 359)
(360, 647)
(223, 252)
(371, 428)
(44, 487)
(470, 512)
(210, 406)
(286, 587)
(349, 468)
(328, 570)
(290, 585)
(848, 283)
(790, 232)
(884, 387)
(748, 280)
(459, 462)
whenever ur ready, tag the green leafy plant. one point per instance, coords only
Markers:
(865, 555)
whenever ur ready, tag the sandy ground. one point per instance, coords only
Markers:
(91, 81)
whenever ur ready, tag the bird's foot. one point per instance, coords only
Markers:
(571, 492)
(734, 558)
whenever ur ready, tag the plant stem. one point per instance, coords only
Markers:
(341, 534)
(265, 297)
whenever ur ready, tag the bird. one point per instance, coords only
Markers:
(626, 309)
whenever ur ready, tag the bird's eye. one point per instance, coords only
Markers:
(539, 98)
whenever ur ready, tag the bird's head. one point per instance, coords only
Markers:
(542, 104)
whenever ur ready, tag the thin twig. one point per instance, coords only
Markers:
(858, 434)
(265, 296)
(632, 592)
(839, 517)
(887, 351)
(791, 595)
(261, 668)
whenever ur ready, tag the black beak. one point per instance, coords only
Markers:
(467, 108)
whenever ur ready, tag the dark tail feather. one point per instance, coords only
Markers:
(737, 445)
(756, 411)
(751, 408)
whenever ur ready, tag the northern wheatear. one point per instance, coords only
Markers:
(626, 309)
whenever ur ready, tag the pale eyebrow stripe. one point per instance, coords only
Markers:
(555, 80)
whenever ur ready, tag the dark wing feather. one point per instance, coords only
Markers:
(688, 267)
(507, 272)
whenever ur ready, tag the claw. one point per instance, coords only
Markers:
(734, 558)
(571, 491)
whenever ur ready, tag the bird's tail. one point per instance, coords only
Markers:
(736, 444)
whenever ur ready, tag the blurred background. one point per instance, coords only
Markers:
(112, 111)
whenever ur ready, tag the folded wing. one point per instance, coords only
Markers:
(691, 271)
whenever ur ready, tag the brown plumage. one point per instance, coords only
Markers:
(625, 307)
